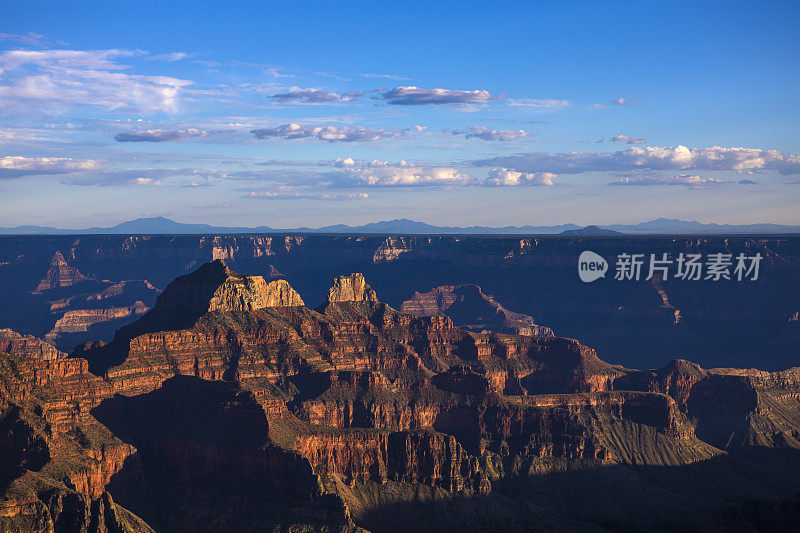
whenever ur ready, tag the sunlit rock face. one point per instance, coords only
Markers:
(13, 343)
(351, 288)
(215, 287)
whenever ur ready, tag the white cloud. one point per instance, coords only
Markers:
(170, 57)
(54, 80)
(147, 181)
(487, 134)
(650, 158)
(344, 162)
(625, 139)
(16, 166)
(419, 128)
(326, 133)
(400, 174)
(503, 177)
(625, 101)
(411, 95)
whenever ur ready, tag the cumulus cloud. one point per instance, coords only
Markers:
(326, 133)
(411, 95)
(419, 128)
(158, 135)
(625, 101)
(400, 174)
(315, 96)
(487, 134)
(16, 166)
(650, 158)
(53, 80)
(147, 181)
(269, 195)
(503, 177)
(343, 162)
(626, 139)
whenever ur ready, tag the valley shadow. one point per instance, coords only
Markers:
(756, 489)
(204, 462)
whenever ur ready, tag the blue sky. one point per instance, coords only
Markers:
(292, 114)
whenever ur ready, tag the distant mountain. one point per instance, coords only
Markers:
(590, 231)
(671, 226)
(161, 225)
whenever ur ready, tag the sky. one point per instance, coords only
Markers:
(290, 114)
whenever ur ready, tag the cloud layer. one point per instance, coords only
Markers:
(315, 96)
(294, 131)
(269, 195)
(411, 95)
(16, 166)
(401, 174)
(488, 134)
(650, 158)
(502, 177)
(627, 139)
(54, 80)
(158, 135)
(683, 179)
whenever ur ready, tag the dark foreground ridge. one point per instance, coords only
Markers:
(231, 406)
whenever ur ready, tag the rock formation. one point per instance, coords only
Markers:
(351, 288)
(81, 320)
(471, 309)
(60, 274)
(215, 287)
(27, 346)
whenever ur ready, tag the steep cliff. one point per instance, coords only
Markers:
(352, 288)
(56, 459)
(13, 343)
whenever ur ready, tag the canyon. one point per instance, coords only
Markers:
(229, 404)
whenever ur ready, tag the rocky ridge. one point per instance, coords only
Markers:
(471, 309)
